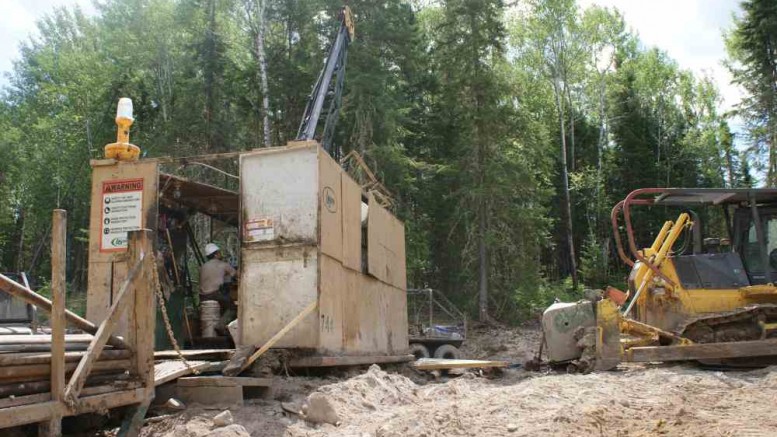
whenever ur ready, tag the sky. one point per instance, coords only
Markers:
(689, 30)
(17, 22)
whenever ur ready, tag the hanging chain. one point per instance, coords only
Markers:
(161, 299)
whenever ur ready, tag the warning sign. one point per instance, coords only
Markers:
(122, 211)
(259, 230)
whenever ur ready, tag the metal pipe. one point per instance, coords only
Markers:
(759, 235)
(309, 123)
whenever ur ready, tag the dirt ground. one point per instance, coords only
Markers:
(672, 400)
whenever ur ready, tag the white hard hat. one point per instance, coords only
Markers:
(210, 249)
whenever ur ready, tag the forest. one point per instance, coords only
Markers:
(505, 130)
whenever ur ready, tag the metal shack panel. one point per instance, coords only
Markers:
(279, 193)
(276, 284)
(279, 262)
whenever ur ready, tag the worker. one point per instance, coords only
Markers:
(215, 276)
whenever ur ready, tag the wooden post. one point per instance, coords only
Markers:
(144, 306)
(142, 323)
(58, 321)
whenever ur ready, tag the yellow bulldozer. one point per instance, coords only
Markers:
(704, 290)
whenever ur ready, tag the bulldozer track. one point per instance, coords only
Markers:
(738, 325)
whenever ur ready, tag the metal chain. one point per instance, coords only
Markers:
(161, 299)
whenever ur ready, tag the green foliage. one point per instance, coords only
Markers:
(459, 106)
(753, 63)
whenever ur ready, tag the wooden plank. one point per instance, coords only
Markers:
(198, 353)
(330, 208)
(39, 412)
(133, 420)
(144, 308)
(44, 370)
(352, 222)
(106, 328)
(332, 286)
(167, 371)
(58, 266)
(223, 381)
(318, 361)
(385, 245)
(44, 358)
(742, 349)
(15, 401)
(441, 364)
(43, 339)
(235, 370)
(18, 290)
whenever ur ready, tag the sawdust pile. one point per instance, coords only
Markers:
(636, 401)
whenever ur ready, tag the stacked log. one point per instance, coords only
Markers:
(25, 363)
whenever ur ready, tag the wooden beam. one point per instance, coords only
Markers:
(144, 306)
(237, 369)
(58, 267)
(45, 358)
(18, 290)
(316, 361)
(705, 351)
(42, 339)
(167, 371)
(223, 381)
(39, 412)
(441, 364)
(101, 337)
(44, 370)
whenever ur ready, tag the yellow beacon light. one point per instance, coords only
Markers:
(122, 150)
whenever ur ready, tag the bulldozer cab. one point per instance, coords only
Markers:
(736, 246)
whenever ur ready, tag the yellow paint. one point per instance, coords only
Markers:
(122, 150)
(667, 306)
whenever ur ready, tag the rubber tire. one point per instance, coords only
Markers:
(447, 352)
(419, 351)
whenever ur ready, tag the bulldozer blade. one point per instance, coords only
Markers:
(608, 346)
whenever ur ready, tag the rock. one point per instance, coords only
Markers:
(223, 419)
(174, 404)
(233, 430)
(511, 427)
(319, 409)
(196, 427)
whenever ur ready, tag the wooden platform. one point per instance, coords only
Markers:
(166, 371)
(221, 390)
(442, 364)
(317, 361)
(705, 351)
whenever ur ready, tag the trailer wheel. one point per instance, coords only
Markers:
(419, 351)
(448, 352)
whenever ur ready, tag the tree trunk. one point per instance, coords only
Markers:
(730, 167)
(210, 76)
(263, 73)
(482, 261)
(565, 182)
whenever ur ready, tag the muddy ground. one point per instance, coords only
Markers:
(672, 400)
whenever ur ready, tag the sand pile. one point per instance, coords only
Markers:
(635, 401)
